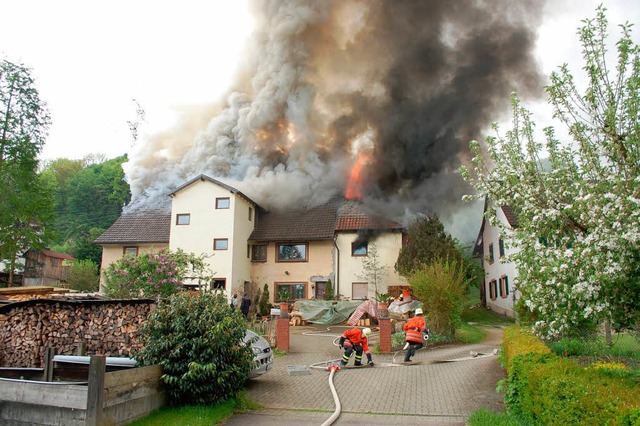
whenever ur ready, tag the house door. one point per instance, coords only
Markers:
(320, 290)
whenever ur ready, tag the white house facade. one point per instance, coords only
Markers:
(499, 292)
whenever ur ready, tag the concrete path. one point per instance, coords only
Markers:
(428, 392)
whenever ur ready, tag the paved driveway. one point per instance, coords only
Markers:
(428, 392)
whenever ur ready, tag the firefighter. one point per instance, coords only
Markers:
(355, 340)
(413, 330)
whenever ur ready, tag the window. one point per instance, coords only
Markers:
(54, 261)
(183, 219)
(501, 247)
(130, 251)
(359, 248)
(491, 258)
(504, 287)
(223, 203)
(248, 251)
(259, 253)
(290, 291)
(250, 214)
(218, 284)
(220, 244)
(493, 289)
(359, 291)
(291, 252)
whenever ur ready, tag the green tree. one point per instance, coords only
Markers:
(83, 276)
(198, 341)
(328, 291)
(26, 207)
(427, 242)
(153, 274)
(440, 286)
(263, 305)
(579, 209)
(89, 196)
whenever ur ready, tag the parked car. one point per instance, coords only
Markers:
(263, 358)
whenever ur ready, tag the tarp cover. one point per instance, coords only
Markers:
(328, 312)
(397, 309)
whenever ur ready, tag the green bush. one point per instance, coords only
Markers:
(441, 287)
(264, 307)
(545, 389)
(198, 341)
(83, 276)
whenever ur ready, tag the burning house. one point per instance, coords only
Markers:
(373, 99)
(296, 252)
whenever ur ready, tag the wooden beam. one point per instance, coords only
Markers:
(95, 393)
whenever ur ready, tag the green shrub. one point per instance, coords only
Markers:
(198, 341)
(545, 389)
(264, 305)
(153, 274)
(83, 276)
(441, 287)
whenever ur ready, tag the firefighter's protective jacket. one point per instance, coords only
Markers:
(355, 337)
(414, 328)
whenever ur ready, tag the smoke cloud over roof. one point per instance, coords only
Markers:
(401, 86)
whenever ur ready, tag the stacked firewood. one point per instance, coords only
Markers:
(110, 329)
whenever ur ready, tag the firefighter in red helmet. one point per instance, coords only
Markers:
(413, 330)
(355, 340)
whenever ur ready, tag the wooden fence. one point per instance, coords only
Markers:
(107, 398)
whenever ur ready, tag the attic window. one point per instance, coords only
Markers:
(359, 248)
(291, 252)
(223, 203)
(183, 219)
(501, 247)
(250, 214)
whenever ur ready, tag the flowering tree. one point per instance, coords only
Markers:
(579, 210)
(153, 274)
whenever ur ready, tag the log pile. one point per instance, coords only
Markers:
(109, 329)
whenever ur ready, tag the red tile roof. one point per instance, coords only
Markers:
(57, 254)
(511, 216)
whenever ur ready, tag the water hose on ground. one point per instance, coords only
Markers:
(336, 400)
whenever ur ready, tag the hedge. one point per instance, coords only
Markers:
(546, 389)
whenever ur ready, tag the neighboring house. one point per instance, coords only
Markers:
(499, 292)
(295, 253)
(45, 267)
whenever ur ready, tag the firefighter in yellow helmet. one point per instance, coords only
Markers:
(355, 340)
(413, 330)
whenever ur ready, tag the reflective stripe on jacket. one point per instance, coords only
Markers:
(414, 328)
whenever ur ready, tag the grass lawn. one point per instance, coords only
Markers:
(197, 415)
(191, 416)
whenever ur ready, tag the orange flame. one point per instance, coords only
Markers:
(354, 186)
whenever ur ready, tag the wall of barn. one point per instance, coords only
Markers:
(27, 329)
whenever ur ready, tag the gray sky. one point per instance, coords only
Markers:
(90, 59)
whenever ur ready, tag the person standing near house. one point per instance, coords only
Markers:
(355, 340)
(413, 330)
(234, 302)
(245, 305)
